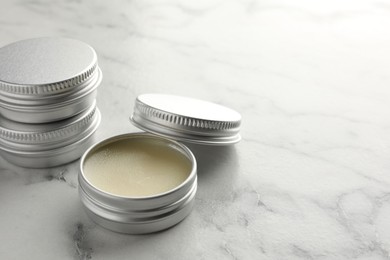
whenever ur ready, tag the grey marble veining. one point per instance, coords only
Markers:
(309, 180)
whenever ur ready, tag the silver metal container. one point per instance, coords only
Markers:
(187, 119)
(47, 79)
(139, 215)
(51, 144)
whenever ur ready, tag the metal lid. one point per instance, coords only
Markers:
(45, 66)
(14, 134)
(187, 119)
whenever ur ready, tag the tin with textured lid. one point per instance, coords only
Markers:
(50, 144)
(47, 79)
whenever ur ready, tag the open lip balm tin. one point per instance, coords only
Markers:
(167, 118)
(47, 79)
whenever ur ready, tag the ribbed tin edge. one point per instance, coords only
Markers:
(74, 127)
(166, 132)
(152, 113)
(140, 225)
(56, 108)
(53, 157)
(185, 128)
(50, 88)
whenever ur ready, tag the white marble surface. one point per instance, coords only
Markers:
(311, 177)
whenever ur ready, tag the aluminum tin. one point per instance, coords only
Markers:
(142, 214)
(48, 145)
(47, 79)
(186, 119)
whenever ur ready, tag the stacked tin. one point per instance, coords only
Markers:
(48, 113)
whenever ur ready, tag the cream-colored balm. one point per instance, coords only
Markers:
(136, 168)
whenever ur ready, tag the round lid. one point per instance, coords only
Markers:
(187, 119)
(45, 66)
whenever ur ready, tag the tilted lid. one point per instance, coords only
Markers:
(187, 119)
(45, 66)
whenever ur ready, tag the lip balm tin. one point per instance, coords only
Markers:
(47, 79)
(167, 118)
(50, 144)
(138, 215)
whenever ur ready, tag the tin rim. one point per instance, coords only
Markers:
(205, 140)
(54, 101)
(185, 151)
(143, 214)
(47, 110)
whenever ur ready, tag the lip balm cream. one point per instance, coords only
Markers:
(138, 183)
(136, 168)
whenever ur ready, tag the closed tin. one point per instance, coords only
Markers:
(47, 79)
(51, 144)
(139, 215)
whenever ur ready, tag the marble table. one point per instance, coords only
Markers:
(310, 178)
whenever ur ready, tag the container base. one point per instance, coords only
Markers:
(145, 227)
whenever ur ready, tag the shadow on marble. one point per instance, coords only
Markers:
(211, 159)
(218, 168)
(28, 176)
